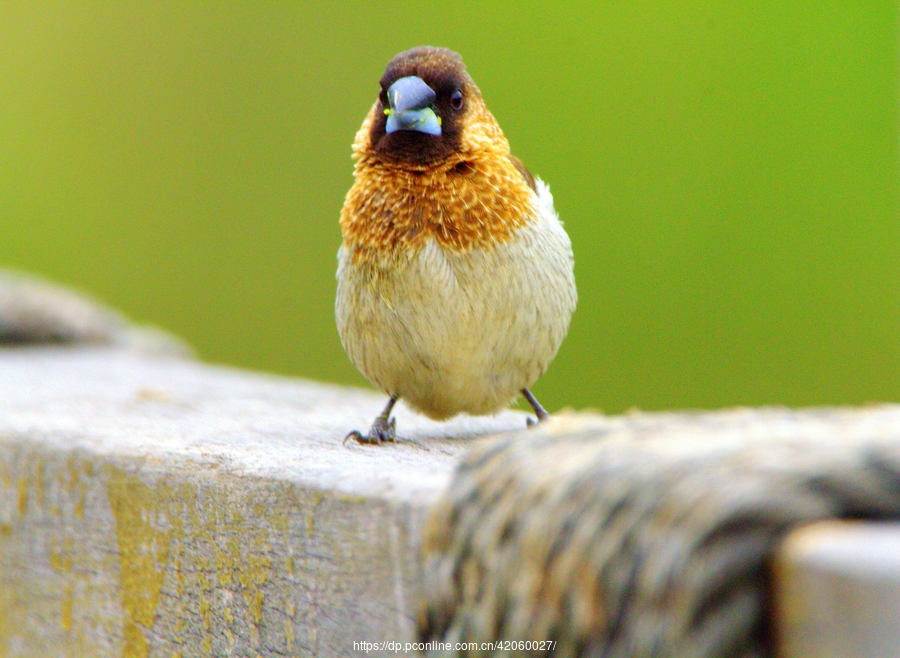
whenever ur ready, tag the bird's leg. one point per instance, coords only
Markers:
(383, 429)
(539, 411)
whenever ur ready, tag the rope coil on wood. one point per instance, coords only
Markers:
(643, 537)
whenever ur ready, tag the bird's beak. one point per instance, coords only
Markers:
(410, 107)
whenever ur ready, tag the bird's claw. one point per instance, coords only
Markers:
(383, 430)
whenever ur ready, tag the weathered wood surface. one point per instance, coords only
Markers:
(154, 506)
(161, 507)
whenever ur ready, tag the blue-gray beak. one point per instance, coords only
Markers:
(410, 99)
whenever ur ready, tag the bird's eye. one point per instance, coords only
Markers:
(456, 100)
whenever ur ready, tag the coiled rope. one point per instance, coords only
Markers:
(649, 536)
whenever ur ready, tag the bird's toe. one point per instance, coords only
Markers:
(357, 436)
(382, 430)
(531, 422)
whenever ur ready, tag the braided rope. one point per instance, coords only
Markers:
(647, 536)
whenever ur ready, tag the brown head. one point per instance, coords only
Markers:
(432, 163)
(429, 112)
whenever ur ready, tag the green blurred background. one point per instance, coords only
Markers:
(728, 173)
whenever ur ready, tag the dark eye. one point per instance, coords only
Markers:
(456, 100)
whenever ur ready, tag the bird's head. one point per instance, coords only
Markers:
(428, 112)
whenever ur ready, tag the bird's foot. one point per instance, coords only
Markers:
(531, 422)
(383, 429)
(539, 411)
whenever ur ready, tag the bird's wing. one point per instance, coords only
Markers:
(524, 171)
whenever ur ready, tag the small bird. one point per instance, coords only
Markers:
(455, 276)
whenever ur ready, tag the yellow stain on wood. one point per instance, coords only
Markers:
(289, 634)
(289, 623)
(136, 645)
(74, 474)
(225, 562)
(28, 489)
(310, 518)
(68, 598)
(23, 495)
(255, 603)
(187, 540)
(82, 498)
(253, 575)
(7, 622)
(39, 481)
(205, 610)
(61, 560)
(143, 552)
(77, 486)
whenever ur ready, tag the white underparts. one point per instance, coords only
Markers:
(454, 332)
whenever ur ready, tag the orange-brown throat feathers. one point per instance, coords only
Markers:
(475, 203)
(462, 188)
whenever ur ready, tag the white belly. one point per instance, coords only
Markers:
(454, 332)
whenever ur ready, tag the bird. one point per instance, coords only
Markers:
(455, 278)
